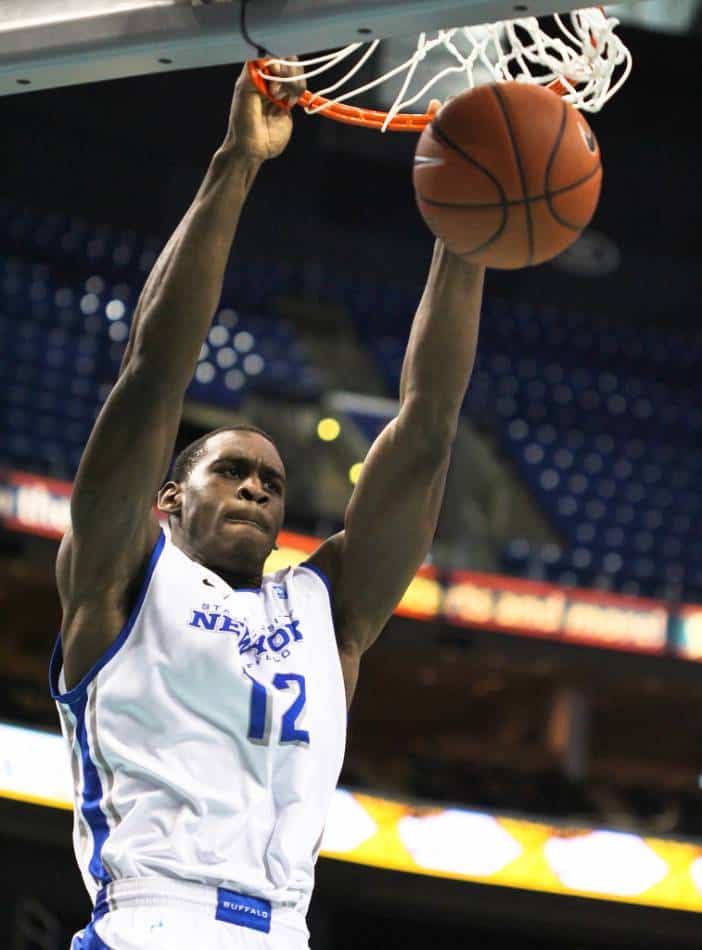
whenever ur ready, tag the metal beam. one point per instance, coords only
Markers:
(161, 38)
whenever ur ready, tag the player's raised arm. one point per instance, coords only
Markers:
(392, 516)
(179, 298)
(129, 449)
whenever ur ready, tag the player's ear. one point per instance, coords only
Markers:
(170, 497)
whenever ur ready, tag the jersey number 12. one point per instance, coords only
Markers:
(260, 710)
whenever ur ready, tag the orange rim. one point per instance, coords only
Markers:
(352, 115)
(369, 118)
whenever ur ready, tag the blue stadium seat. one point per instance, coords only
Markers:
(600, 421)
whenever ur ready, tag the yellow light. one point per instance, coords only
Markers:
(328, 429)
(355, 472)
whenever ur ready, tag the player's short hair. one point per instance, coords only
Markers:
(185, 461)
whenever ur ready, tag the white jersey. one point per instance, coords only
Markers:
(207, 741)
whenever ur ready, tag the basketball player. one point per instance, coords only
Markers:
(204, 705)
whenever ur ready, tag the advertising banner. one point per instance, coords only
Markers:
(41, 506)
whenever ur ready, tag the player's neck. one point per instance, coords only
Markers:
(245, 577)
(236, 579)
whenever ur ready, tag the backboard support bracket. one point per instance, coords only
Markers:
(162, 37)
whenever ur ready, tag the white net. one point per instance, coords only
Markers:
(578, 54)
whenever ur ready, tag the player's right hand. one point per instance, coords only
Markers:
(258, 128)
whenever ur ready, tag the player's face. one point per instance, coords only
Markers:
(234, 500)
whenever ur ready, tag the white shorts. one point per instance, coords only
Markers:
(163, 914)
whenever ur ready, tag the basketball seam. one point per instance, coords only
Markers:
(479, 248)
(520, 169)
(528, 199)
(437, 131)
(549, 165)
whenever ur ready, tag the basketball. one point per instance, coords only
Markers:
(507, 174)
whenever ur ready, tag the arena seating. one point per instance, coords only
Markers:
(601, 422)
(65, 314)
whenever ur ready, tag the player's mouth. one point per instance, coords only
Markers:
(254, 524)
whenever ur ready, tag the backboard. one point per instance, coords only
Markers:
(51, 43)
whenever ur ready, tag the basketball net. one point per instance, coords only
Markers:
(582, 59)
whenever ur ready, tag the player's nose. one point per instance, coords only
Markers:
(252, 490)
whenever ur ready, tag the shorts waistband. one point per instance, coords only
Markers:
(227, 904)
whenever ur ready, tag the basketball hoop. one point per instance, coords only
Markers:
(581, 59)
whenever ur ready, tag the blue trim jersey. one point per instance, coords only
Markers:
(207, 741)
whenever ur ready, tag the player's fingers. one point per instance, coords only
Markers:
(272, 109)
(286, 66)
(434, 106)
(291, 87)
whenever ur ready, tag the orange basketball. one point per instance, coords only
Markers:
(507, 174)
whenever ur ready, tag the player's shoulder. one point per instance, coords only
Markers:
(304, 576)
